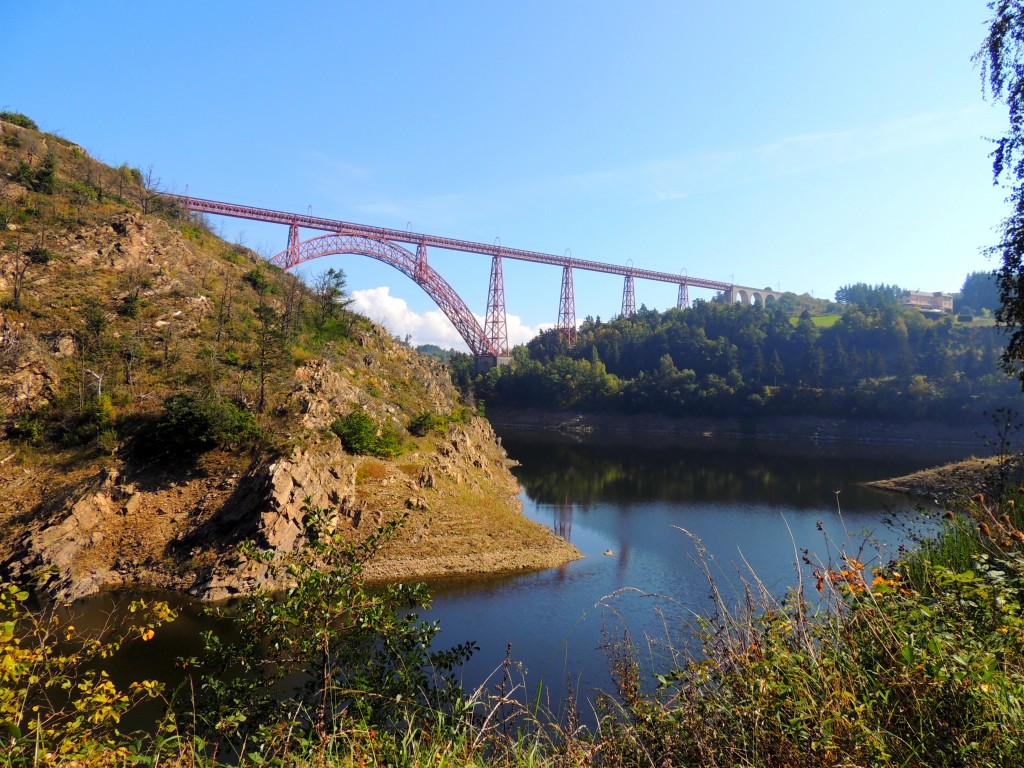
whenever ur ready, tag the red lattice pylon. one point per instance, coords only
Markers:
(567, 307)
(495, 325)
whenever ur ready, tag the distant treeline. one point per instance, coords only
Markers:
(877, 360)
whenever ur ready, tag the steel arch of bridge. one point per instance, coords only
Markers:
(412, 265)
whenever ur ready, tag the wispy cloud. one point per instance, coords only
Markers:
(659, 179)
(674, 178)
(432, 327)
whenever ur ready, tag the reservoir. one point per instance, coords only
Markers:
(654, 521)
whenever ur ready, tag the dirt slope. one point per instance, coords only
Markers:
(108, 311)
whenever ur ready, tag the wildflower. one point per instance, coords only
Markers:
(984, 530)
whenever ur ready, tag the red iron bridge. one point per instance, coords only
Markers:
(407, 252)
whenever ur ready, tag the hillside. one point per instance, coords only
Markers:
(165, 395)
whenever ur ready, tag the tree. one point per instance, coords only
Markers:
(980, 291)
(147, 188)
(329, 295)
(874, 296)
(1002, 76)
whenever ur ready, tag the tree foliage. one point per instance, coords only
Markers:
(980, 291)
(360, 434)
(192, 422)
(873, 296)
(729, 359)
(326, 652)
(1001, 58)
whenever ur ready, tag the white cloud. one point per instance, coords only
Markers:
(432, 327)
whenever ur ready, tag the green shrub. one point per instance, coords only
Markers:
(17, 118)
(423, 424)
(24, 175)
(257, 278)
(42, 180)
(39, 255)
(361, 435)
(233, 357)
(11, 140)
(327, 657)
(46, 176)
(57, 706)
(129, 306)
(27, 428)
(108, 441)
(192, 422)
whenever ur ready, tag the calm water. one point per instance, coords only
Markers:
(636, 512)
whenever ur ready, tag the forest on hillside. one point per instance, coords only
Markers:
(876, 360)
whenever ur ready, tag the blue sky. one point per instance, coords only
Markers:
(798, 144)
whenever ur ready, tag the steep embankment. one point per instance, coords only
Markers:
(165, 396)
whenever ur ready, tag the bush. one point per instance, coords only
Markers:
(194, 422)
(27, 428)
(327, 657)
(360, 435)
(16, 118)
(55, 701)
(39, 255)
(129, 306)
(97, 417)
(424, 423)
(257, 278)
(43, 180)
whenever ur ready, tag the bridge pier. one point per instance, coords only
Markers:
(759, 297)
(293, 245)
(628, 297)
(567, 307)
(484, 363)
(495, 324)
(683, 302)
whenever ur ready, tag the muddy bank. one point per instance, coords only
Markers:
(953, 484)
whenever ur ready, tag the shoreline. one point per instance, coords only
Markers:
(797, 434)
(954, 484)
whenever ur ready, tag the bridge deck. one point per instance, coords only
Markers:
(217, 208)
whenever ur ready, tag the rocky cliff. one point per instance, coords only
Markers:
(112, 315)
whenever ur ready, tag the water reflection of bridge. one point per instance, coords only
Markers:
(562, 522)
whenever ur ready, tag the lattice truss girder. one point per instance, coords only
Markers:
(405, 262)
